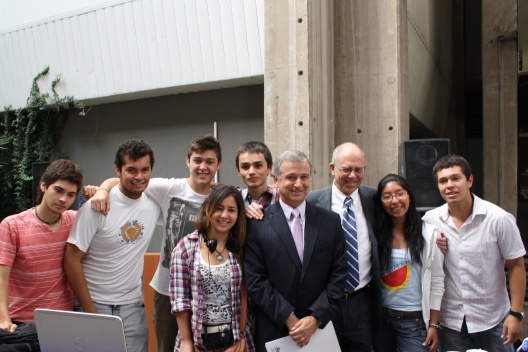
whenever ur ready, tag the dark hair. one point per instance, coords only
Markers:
(412, 230)
(203, 143)
(254, 147)
(61, 169)
(134, 149)
(212, 202)
(449, 161)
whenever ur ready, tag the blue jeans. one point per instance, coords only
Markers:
(489, 340)
(401, 335)
(134, 322)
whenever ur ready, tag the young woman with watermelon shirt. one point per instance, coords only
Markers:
(411, 271)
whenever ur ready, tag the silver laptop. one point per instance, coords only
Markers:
(65, 331)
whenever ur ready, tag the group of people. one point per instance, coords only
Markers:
(241, 267)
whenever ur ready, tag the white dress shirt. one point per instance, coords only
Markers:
(364, 245)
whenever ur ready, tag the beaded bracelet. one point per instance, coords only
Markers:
(435, 326)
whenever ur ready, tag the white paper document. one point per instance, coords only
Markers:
(323, 340)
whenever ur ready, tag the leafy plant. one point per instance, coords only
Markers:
(30, 134)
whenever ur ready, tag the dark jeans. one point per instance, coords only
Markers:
(218, 340)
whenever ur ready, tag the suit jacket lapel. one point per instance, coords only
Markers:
(310, 235)
(278, 222)
(368, 204)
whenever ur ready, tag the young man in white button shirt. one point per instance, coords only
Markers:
(476, 311)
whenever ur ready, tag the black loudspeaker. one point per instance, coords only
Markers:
(37, 169)
(417, 158)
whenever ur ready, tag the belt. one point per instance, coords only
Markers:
(402, 314)
(213, 329)
(347, 295)
(214, 350)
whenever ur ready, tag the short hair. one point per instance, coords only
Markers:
(255, 147)
(216, 196)
(61, 169)
(203, 143)
(337, 151)
(292, 156)
(134, 149)
(451, 160)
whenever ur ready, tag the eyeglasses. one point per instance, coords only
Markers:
(349, 170)
(399, 196)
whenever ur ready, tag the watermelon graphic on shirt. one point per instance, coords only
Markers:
(397, 279)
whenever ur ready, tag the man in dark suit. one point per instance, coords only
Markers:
(360, 304)
(294, 282)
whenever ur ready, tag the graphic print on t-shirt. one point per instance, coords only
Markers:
(398, 276)
(179, 223)
(131, 232)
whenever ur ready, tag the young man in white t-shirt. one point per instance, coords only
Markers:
(179, 200)
(105, 254)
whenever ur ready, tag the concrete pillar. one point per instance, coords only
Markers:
(298, 88)
(499, 84)
(371, 80)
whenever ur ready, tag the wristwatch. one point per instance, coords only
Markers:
(518, 315)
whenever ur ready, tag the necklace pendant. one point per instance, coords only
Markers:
(220, 258)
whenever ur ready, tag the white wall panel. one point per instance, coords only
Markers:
(172, 41)
(152, 45)
(252, 37)
(202, 19)
(141, 41)
(134, 48)
(123, 47)
(217, 40)
(228, 33)
(104, 44)
(239, 25)
(161, 39)
(193, 32)
(183, 41)
(132, 44)
(6, 89)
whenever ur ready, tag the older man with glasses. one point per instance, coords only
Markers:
(360, 309)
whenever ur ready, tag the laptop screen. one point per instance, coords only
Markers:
(66, 331)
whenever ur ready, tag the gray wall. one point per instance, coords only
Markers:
(168, 124)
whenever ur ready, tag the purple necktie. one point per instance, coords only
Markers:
(297, 232)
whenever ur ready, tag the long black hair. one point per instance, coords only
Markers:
(412, 229)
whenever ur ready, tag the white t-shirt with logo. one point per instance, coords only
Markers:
(179, 205)
(115, 246)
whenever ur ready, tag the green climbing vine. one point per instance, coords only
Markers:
(27, 135)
